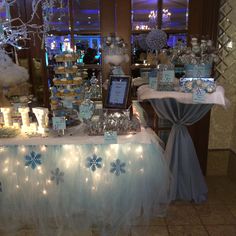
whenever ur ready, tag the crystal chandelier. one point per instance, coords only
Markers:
(166, 14)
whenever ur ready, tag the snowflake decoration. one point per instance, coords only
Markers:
(33, 159)
(57, 176)
(94, 162)
(117, 167)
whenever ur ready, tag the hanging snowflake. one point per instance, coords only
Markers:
(33, 159)
(94, 162)
(57, 176)
(117, 167)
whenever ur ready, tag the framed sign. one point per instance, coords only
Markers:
(118, 94)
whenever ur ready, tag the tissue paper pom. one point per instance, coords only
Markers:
(156, 39)
(10, 73)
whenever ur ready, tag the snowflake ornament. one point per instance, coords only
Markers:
(94, 162)
(33, 160)
(57, 176)
(117, 167)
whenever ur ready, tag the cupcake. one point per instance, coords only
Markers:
(74, 68)
(77, 80)
(68, 57)
(57, 81)
(59, 58)
(85, 74)
(54, 90)
(65, 92)
(68, 93)
(70, 80)
(64, 81)
(60, 69)
(54, 100)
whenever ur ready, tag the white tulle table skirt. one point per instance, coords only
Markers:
(77, 186)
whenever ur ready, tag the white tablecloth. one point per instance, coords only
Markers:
(68, 189)
(178, 108)
(218, 97)
(146, 136)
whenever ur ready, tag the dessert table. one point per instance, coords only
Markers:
(188, 182)
(76, 182)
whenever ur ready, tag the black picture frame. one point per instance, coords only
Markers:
(119, 92)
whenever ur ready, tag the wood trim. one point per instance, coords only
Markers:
(71, 23)
(203, 18)
(124, 27)
(107, 26)
(159, 14)
(168, 31)
(222, 150)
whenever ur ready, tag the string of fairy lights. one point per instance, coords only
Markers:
(74, 160)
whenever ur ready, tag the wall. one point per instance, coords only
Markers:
(223, 121)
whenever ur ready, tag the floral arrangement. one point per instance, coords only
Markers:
(197, 59)
(114, 46)
(115, 51)
(13, 79)
(199, 53)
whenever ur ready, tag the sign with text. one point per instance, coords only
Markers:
(110, 137)
(168, 76)
(59, 123)
(153, 83)
(67, 103)
(118, 92)
(199, 96)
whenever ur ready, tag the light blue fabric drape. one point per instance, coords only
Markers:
(64, 193)
(188, 182)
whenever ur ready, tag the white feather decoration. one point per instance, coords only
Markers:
(10, 73)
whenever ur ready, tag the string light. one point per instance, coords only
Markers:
(166, 15)
(94, 188)
(142, 27)
(96, 176)
(43, 148)
(108, 153)
(152, 15)
(139, 149)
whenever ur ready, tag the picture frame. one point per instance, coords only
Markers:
(119, 92)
